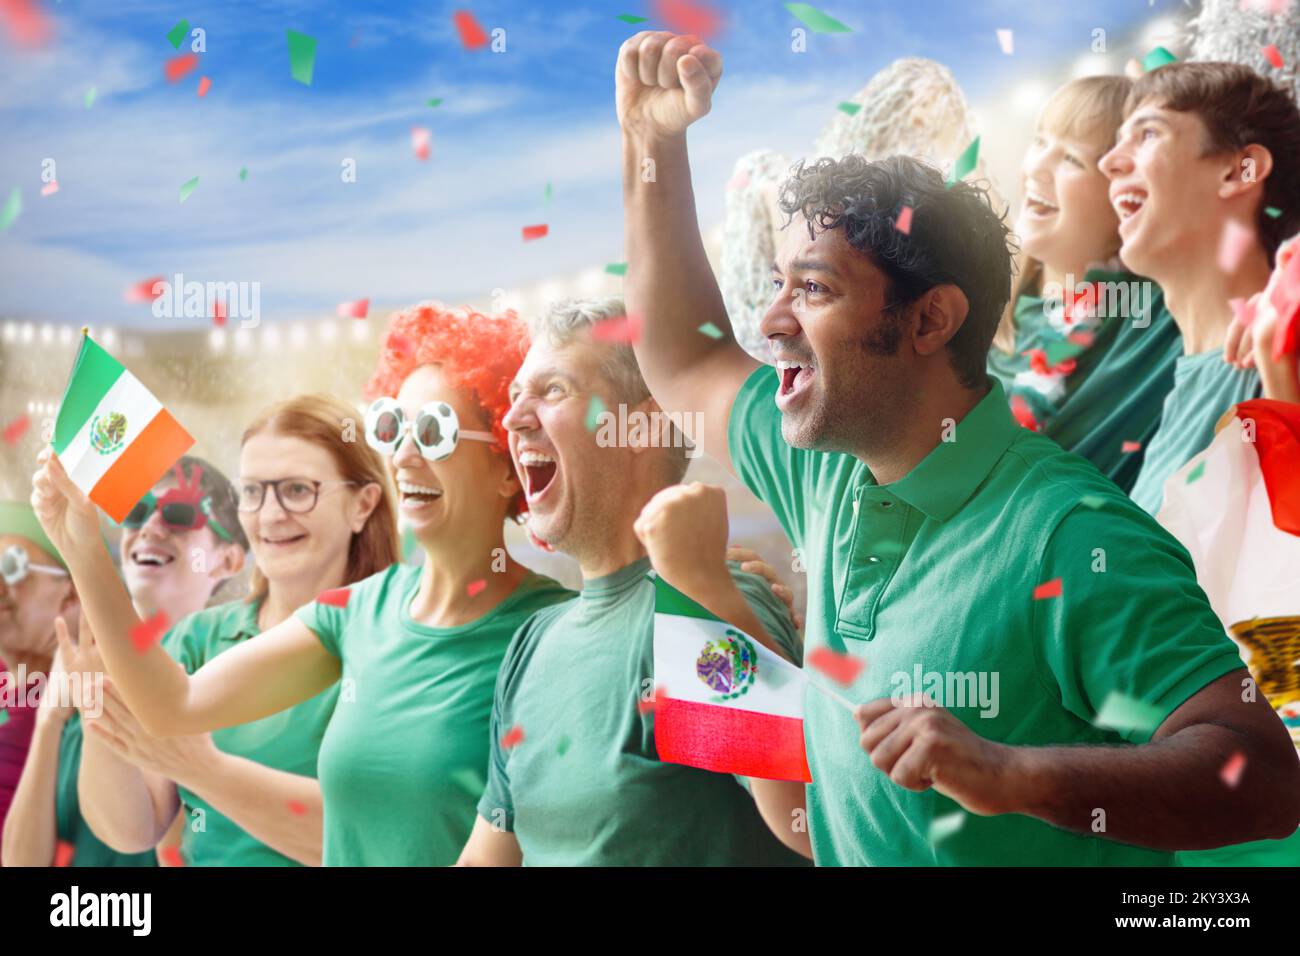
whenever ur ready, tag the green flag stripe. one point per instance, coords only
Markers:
(92, 376)
(669, 600)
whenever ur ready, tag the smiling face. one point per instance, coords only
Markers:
(1165, 190)
(463, 498)
(1066, 220)
(843, 363)
(556, 455)
(28, 608)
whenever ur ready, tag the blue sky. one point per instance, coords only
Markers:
(406, 230)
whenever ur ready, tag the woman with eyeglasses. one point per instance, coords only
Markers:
(403, 760)
(179, 545)
(318, 514)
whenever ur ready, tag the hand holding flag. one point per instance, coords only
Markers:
(69, 517)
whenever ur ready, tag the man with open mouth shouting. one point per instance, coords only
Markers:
(584, 784)
(939, 536)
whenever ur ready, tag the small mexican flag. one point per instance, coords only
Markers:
(723, 701)
(114, 438)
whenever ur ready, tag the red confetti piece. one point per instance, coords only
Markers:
(50, 188)
(27, 24)
(63, 853)
(172, 856)
(1020, 409)
(535, 232)
(145, 291)
(1231, 772)
(205, 84)
(218, 313)
(1048, 589)
(513, 737)
(421, 141)
(841, 668)
(147, 633)
(178, 66)
(1234, 242)
(354, 310)
(648, 706)
(16, 429)
(472, 36)
(904, 221)
(626, 328)
(1273, 55)
(682, 16)
(297, 808)
(336, 597)
(1130, 446)
(476, 587)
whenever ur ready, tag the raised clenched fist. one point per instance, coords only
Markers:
(664, 82)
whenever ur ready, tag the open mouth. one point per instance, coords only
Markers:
(539, 473)
(414, 496)
(795, 377)
(1039, 206)
(150, 558)
(1128, 204)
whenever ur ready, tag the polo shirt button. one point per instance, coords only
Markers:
(886, 504)
(855, 505)
(873, 559)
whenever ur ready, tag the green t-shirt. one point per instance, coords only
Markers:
(87, 849)
(1119, 383)
(287, 741)
(935, 574)
(403, 762)
(585, 786)
(1205, 386)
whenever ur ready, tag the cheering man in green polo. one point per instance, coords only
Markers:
(946, 548)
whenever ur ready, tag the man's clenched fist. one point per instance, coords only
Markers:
(664, 82)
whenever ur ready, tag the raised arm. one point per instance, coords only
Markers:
(663, 84)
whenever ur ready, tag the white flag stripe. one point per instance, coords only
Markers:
(778, 688)
(84, 465)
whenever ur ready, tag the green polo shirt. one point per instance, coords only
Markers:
(585, 786)
(287, 741)
(403, 763)
(87, 849)
(1205, 386)
(935, 574)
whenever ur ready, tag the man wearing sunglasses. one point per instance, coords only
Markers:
(34, 590)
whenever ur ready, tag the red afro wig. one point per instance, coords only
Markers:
(478, 353)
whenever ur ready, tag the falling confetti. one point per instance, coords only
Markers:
(1022, 413)
(850, 108)
(219, 313)
(15, 430)
(434, 102)
(147, 633)
(617, 268)
(63, 853)
(4, 717)
(302, 56)
(243, 173)
(50, 188)
(903, 223)
(178, 66)
(188, 188)
(1048, 589)
(815, 20)
(178, 33)
(1273, 55)
(1119, 712)
(90, 96)
(354, 310)
(623, 328)
(1007, 40)
(535, 232)
(205, 84)
(1272, 212)
(297, 808)
(644, 706)
(841, 668)
(945, 826)
(1233, 244)
(145, 291)
(546, 196)
(711, 330)
(1157, 58)
(563, 746)
(1092, 501)
(688, 17)
(171, 856)
(335, 597)
(595, 408)
(513, 737)
(631, 18)
(476, 587)
(472, 36)
(1230, 774)
(26, 23)
(1196, 473)
(421, 141)
(13, 207)
(965, 162)
(1130, 446)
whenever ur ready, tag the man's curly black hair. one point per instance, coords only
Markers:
(955, 238)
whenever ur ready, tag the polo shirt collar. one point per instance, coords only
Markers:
(946, 478)
(243, 623)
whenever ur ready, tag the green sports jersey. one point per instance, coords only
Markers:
(87, 849)
(405, 757)
(584, 786)
(937, 574)
(287, 741)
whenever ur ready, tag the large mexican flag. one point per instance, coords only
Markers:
(114, 438)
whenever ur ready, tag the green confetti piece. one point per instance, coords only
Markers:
(1157, 58)
(177, 34)
(632, 18)
(965, 162)
(13, 206)
(243, 173)
(302, 56)
(434, 102)
(546, 197)
(945, 826)
(1272, 212)
(594, 411)
(1196, 472)
(711, 330)
(90, 96)
(1092, 501)
(617, 268)
(468, 780)
(4, 717)
(815, 20)
(1119, 712)
(188, 188)
(563, 747)
(850, 108)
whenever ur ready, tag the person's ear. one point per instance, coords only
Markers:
(366, 502)
(941, 312)
(510, 484)
(639, 435)
(1251, 166)
(230, 561)
(70, 603)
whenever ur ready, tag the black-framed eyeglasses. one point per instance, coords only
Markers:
(296, 495)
